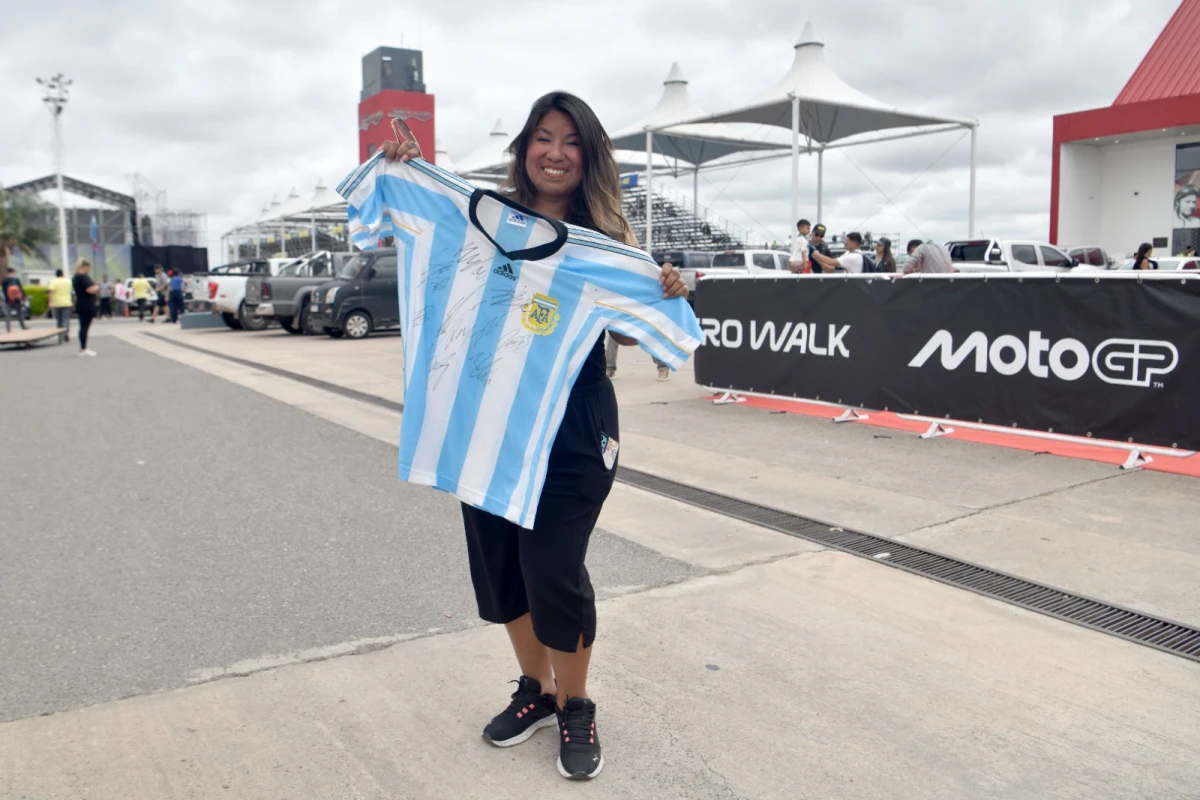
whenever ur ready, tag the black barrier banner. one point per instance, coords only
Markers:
(1110, 359)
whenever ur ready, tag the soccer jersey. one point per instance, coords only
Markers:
(499, 308)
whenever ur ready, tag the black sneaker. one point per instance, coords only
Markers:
(528, 711)
(579, 756)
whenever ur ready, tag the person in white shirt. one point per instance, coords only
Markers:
(849, 261)
(798, 261)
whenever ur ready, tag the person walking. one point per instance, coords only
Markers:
(534, 581)
(106, 297)
(176, 301)
(1145, 257)
(60, 302)
(162, 289)
(927, 257)
(141, 292)
(14, 299)
(86, 290)
(884, 260)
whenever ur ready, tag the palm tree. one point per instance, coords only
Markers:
(20, 228)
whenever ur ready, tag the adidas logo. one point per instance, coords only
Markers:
(505, 271)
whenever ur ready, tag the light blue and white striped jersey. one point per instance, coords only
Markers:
(499, 308)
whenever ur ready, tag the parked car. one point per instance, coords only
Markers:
(1091, 256)
(686, 261)
(286, 297)
(227, 290)
(1191, 264)
(991, 255)
(364, 298)
(738, 262)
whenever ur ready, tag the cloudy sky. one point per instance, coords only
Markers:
(225, 104)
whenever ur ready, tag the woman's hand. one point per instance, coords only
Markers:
(672, 282)
(400, 151)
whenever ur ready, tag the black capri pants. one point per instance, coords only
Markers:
(541, 572)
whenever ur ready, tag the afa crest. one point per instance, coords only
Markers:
(540, 315)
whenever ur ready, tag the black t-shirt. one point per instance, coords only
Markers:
(821, 248)
(9, 280)
(84, 302)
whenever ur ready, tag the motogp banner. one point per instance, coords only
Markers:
(1110, 359)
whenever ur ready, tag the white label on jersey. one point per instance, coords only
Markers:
(517, 219)
(610, 448)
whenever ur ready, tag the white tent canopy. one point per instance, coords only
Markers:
(819, 106)
(490, 159)
(442, 158)
(694, 144)
(658, 132)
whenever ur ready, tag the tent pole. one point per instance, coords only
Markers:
(971, 213)
(696, 191)
(649, 186)
(795, 168)
(820, 185)
(312, 219)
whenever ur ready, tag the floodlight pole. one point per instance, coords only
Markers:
(55, 98)
(649, 186)
(795, 170)
(820, 185)
(971, 213)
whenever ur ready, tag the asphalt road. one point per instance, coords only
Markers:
(161, 525)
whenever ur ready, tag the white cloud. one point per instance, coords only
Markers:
(225, 105)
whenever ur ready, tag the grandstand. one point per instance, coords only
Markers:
(677, 224)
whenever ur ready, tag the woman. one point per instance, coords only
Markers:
(1143, 258)
(534, 582)
(85, 302)
(884, 260)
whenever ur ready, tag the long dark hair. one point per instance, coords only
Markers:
(1143, 256)
(596, 204)
(887, 262)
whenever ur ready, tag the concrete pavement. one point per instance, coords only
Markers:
(739, 663)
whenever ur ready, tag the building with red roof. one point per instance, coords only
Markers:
(1130, 173)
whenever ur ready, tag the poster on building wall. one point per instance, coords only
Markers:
(1186, 215)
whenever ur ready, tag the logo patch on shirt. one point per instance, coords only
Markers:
(517, 219)
(609, 448)
(505, 271)
(540, 315)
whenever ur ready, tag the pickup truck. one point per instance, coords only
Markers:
(992, 255)
(285, 297)
(737, 262)
(227, 290)
(1092, 256)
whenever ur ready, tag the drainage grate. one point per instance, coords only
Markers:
(1161, 634)
(362, 397)
(1134, 626)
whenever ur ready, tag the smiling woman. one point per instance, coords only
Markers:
(534, 581)
(569, 172)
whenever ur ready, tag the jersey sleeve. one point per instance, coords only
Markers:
(666, 329)
(399, 199)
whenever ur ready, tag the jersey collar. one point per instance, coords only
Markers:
(537, 253)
